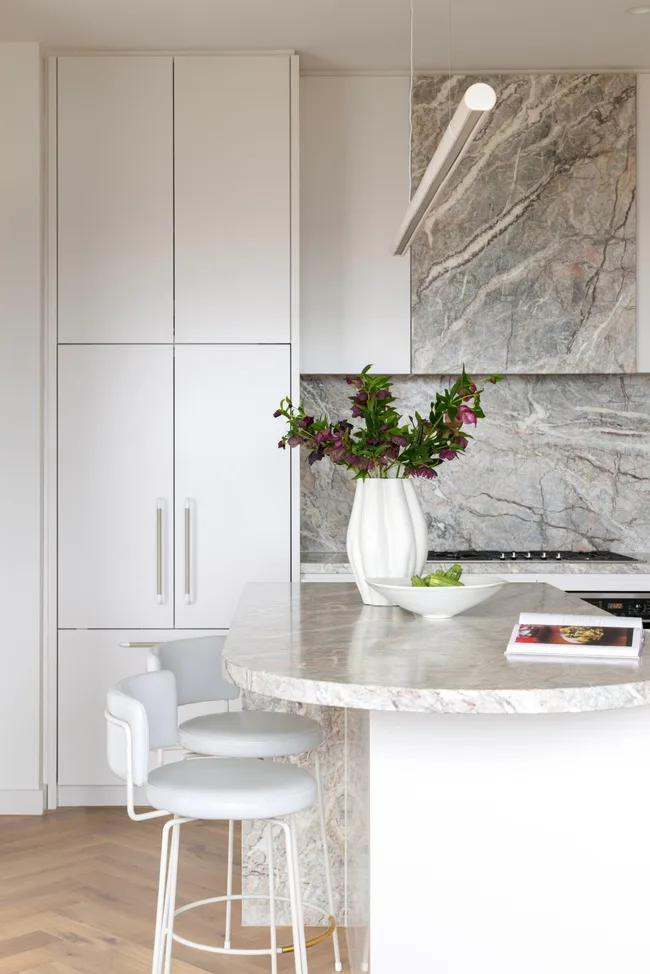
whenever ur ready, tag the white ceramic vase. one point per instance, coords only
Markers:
(387, 534)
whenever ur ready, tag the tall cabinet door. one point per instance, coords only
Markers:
(115, 199)
(115, 487)
(232, 481)
(232, 198)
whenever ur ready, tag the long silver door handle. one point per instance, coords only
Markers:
(159, 552)
(188, 550)
(139, 645)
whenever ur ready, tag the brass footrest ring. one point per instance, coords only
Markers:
(289, 948)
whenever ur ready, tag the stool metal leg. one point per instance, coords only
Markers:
(171, 898)
(159, 939)
(231, 850)
(274, 932)
(297, 923)
(301, 920)
(328, 875)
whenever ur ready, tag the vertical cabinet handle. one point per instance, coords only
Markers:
(188, 551)
(159, 554)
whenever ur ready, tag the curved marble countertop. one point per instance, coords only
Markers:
(336, 563)
(318, 643)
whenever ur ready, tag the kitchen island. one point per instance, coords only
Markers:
(492, 807)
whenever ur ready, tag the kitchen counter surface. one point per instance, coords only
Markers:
(336, 563)
(319, 644)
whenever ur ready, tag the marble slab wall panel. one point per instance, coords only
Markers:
(528, 262)
(254, 836)
(559, 462)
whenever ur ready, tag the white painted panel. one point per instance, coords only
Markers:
(643, 222)
(355, 296)
(90, 663)
(230, 468)
(20, 423)
(115, 199)
(115, 461)
(232, 174)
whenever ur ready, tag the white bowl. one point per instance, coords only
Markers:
(442, 602)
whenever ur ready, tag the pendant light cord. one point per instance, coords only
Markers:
(449, 57)
(410, 153)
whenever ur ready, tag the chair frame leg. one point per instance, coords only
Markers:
(229, 880)
(159, 938)
(328, 873)
(297, 921)
(170, 905)
(273, 929)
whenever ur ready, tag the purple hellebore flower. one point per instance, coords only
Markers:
(313, 457)
(400, 441)
(361, 397)
(354, 380)
(336, 453)
(447, 454)
(466, 415)
(323, 435)
(461, 442)
(356, 411)
(351, 459)
(294, 440)
(425, 472)
(282, 445)
(277, 413)
(493, 380)
(345, 426)
(383, 394)
(306, 422)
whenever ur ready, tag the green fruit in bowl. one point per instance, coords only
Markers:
(439, 579)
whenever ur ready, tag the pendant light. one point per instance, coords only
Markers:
(478, 100)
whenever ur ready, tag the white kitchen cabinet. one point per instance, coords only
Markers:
(90, 663)
(115, 486)
(115, 199)
(232, 482)
(355, 297)
(232, 198)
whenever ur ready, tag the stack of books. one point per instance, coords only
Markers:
(593, 637)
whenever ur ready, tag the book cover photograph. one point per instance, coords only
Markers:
(572, 637)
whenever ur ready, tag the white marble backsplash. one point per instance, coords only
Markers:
(528, 263)
(561, 461)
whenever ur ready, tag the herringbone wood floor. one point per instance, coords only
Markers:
(78, 890)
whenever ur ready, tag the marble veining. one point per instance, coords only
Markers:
(528, 263)
(318, 644)
(560, 462)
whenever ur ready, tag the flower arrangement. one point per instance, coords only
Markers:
(386, 446)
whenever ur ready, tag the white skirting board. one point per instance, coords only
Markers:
(96, 795)
(22, 801)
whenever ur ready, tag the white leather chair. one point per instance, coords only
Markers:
(142, 716)
(197, 665)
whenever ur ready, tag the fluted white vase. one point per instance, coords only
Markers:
(387, 534)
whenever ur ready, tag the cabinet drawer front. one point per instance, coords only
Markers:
(90, 663)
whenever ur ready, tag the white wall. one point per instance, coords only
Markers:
(20, 428)
(355, 301)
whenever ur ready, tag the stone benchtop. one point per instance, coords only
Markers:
(336, 563)
(319, 644)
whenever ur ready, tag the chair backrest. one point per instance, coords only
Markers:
(148, 706)
(196, 663)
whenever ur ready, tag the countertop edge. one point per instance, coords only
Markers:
(545, 700)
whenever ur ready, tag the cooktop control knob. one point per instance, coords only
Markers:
(502, 555)
(514, 554)
(544, 555)
(558, 557)
(528, 554)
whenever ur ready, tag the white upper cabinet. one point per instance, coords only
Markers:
(116, 461)
(115, 199)
(232, 198)
(354, 295)
(233, 487)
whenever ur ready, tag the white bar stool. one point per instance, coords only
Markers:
(197, 665)
(142, 714)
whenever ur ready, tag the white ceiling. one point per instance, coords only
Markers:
(350, 34)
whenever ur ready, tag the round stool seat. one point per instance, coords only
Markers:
(226, 790)
(250, 734)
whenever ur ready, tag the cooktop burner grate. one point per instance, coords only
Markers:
(497, 555)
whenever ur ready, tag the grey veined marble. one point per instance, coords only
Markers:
(559, 462)
(528, 262)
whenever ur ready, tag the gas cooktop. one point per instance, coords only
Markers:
(528, 556)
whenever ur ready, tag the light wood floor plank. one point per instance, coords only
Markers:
(78, 896)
